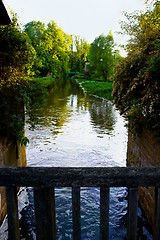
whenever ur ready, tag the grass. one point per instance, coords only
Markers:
(43, 81)
(92, 86)
(95, 86)
(101, 89)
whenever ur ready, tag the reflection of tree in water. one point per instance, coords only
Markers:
(52, 110)
(57, 107)
(102, 116)
(80, 101)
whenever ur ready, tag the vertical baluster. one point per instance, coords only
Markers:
(104, 213)
(76, 215)
(157, 215)
(12, 210)
(132, 213)
(44, 199)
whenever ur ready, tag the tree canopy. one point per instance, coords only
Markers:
(36, 50)
(52, 48)
(102, 56)
(137, 78)
(57, 52)
(16, 52)
(78, 54)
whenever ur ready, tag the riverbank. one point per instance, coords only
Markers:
(45, 82)
(95, 86)
(91, 86)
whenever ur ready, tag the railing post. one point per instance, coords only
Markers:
(76, 214)
(132, 213)
(104, 213)
(12, 210)
(156, 235)
(44, 200)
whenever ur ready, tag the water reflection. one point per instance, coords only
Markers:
(52, 112)
(62, 100)
(103, 117)
(74, 130)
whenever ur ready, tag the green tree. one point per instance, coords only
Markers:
(56, 47)
(79, 49)
(16, 59)
(35, 31)
(137, 79)
(101, 56)
(16, 52)
(52, 47)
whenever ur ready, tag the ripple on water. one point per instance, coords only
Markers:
(80, 131)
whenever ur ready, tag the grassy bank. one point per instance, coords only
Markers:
(95, 86)
(92, 86)
(43, 81)
(101, 89)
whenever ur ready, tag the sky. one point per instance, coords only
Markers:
(86, 18)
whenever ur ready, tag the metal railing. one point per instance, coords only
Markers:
(44, 180)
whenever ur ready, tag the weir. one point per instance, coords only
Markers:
(45, 179)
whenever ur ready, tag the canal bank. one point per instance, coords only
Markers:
(11, 154)
(144, 150)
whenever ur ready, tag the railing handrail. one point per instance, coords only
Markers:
(45, 179)
(80, 176)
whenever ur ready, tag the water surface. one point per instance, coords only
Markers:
(76, 130)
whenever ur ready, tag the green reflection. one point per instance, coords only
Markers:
(57, 106)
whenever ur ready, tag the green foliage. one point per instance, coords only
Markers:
(37, 50)
(16, 59)
(35, 31)
(16, 53)
(12, 97)
(102, 57)
(78, 54)
(137, 79)
(80, 77)
(101, 89)
(95, 86)
(22, 139)
(52, 48)
(44, 82)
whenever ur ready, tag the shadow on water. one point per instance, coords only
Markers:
(73, 129)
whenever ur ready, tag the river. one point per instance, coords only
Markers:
(73, 129)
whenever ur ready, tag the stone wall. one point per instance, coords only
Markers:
(11, 154)
(144, 150)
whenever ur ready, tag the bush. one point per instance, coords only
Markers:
(136, 90)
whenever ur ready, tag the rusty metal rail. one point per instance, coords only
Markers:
(44, 180)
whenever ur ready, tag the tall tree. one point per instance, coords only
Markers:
(52, 47)
(35, 31)
(55, 45)
(78, 53)
(101, 56)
